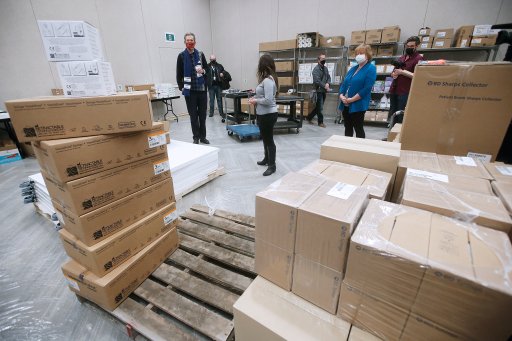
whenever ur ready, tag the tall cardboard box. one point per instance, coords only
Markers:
(112, 289)
(390, 34)
(54, 117)
(86, 194)
(358, 37)
(86, 78)
(372, 154)
(373, 36)
(70, 40)
(499, 171)
(70, 159)
(110, 253)
(95, 226)
(463, 35)
(267, 312)
(444, 110)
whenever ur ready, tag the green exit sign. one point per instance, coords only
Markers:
(170, 37)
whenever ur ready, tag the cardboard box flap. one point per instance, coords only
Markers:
(377, 147)
(465, 183)
(292, 189)
(499, 171)
(462, 165)
(348, 174)
(410, 236)
(504, 191)
(316, 167)
(419, 160)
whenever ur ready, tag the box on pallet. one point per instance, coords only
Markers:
(86, 78)
(504, 191)
(110, 253)
(89, 193)
(444, 110)
(499, 171)
(53, 117)
(73, 158)
(99, 224)
(463, 165)
(70, 40)
(112, 289)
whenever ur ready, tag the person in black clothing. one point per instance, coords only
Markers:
(214, 75)
(321, 80)
(190, 76)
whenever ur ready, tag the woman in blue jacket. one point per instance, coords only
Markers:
(355, 92)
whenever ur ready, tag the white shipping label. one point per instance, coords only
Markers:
(156, 140)
(72, 283)
(465, 161)
(504, 170)
(427, 175)
(441, 34)
(161, 167)
(481, 157)
(342, 191)
(169, 218)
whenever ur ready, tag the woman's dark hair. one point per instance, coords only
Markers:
(267, 67)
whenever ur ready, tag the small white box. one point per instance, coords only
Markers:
(70, 40)
(86, 78)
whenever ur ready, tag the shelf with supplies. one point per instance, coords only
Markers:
(470, 54)
(377, 44)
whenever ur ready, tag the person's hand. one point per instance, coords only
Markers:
(252, 100)
(221, 74)
(326, 86)
(342, 97)
(199, 69)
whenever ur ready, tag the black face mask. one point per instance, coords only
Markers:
(213, 61)
(409, 50)
(322, 62)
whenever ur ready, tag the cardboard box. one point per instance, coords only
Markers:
(422, 161)
(358, 37)
(427, 39)
(286, 81)
(110, 290)
(381, 116)
(70, 40)
(58, 92)
(9, 154)
(357, 334)
(286, 44)
(504, 191)
(425, 31)
(308, 39)
(369, 116)
(386, 51)
(462, 165)
(444, 110)
(50, 118)
(373, 36)
(285, 66)
(373, 154)
(463, 35)
(276, 208)
(95, 226)
(268, 46)
(110, 253)
(482, 30)
(316, 283)
(140, 87)
(332, 41)
(420, 329)
(453, 273)
(94, 191)
(426, 45)
(325, 222)
(390, 34)
(499, 171)
(274, 263)
(489, 40)
(393, 132)
(69, 159)
(445, 33)
(449, 200)
(442, 43)
(86, 78)
(266, 312)
(375, 50)
(376, 182)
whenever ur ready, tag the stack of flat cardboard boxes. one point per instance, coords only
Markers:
(106, 168)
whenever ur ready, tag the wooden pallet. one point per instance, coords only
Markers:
(191, 295)
(212, 176)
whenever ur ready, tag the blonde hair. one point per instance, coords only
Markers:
(366, 49)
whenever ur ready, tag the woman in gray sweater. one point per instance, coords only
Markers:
(266, 110)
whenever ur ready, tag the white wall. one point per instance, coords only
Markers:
(132, 32)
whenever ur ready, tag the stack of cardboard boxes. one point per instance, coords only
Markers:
(387, 36)
(464, 36)
(106, 168)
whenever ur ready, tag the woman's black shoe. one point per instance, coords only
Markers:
(263, 162)
(270, 170)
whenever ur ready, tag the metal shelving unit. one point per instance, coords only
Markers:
(466, 54)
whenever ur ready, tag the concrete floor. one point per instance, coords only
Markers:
(35, 303)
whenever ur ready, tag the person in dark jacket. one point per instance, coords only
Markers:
(190, 76)
(214, 76)
(321, 80)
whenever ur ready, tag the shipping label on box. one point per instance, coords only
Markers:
(482, 30)
(426, 45)
(70, 40)
(373, 36)
(86, 78)
(427, 39)
(441, 43)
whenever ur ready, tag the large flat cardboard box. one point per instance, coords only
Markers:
(276, 208)
(274, 263)
(86, 78)
(55, 117)
(286, 44)
(89, 193)
(446, 102)
(286, 81)
(376, 182)
(70, 159)
(463, 165)
(267, 312)
(110, 253)
(504, 191)
(358, 37)
(446, 33)
(112, 289)
(70, 40)
(390, 34)
(268, 46)
(332, 41)
(386, 51)
(316, 283)
(453, 273)
(373, 36)
(95, 226)
(285, 66)
(449, 200)
(420, 329)
(488, 40)
(441, 43)
(325, 222)
(372, 154)
(463, 35)
(499, 171)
